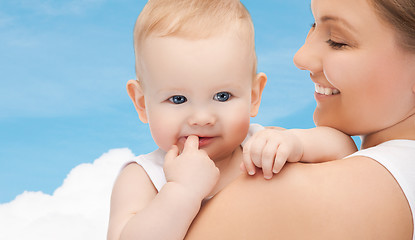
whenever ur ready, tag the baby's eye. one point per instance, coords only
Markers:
(178, 99)
(222, 96)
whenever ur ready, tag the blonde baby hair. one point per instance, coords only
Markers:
(193, 19)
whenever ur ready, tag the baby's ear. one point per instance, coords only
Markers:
(135, 91)
(257, 87)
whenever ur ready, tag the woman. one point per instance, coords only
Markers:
(364, 51)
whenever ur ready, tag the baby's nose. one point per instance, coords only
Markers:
(202, 117)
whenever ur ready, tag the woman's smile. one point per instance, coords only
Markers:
(326, 90)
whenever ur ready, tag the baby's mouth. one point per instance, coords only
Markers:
(203, 141)
(325, 90)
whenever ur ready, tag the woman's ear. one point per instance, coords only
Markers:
(135, 91)
(257, 87)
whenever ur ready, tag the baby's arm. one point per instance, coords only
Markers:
(270, 148)
(139, 212)
(322, 144)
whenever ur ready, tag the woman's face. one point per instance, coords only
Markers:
(364, 80)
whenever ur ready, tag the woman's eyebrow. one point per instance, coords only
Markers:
(342, 21)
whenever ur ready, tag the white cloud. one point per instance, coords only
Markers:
(79, 209)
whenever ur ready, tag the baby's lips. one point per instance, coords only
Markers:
(182, 141)
(186, 137)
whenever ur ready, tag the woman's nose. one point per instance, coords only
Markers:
(308, 57)
(202, 117)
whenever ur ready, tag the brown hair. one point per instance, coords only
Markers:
(401, 15)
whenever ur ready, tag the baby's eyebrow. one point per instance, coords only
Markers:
(172, 90)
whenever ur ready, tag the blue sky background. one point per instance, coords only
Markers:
(63, 70)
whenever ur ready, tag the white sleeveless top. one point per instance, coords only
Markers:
(153, 162)
(398, 157)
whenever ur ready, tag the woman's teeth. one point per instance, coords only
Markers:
(326, 91)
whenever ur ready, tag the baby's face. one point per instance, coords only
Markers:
(198, 87)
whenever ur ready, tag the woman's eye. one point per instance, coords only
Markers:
(178, 99)
(336, 45)
(222, 96)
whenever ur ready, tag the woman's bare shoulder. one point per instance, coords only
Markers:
(353, 198)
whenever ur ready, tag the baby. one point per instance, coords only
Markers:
(197, 89)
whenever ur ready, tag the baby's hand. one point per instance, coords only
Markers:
(193, 168)
(269, 149)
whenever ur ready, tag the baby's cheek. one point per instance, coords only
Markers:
(162, 134)
(240, 127)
